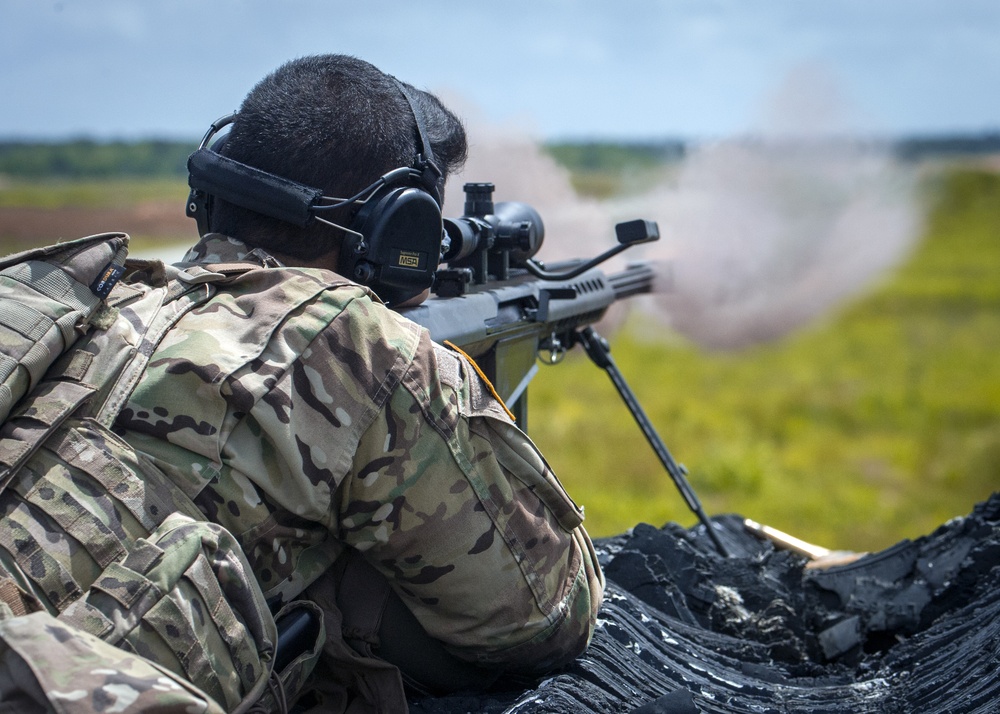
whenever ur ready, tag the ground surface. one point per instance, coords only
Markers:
(914, 628)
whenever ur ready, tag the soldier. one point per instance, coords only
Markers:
(360, 465)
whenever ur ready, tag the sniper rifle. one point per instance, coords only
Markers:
(507, 311)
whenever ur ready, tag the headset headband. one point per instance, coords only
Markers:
(425, 159)
(286, 200)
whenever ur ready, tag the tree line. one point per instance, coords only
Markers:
(86, 158)
(91, 159)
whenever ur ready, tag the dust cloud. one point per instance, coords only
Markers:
(760, 235)
(763, 237)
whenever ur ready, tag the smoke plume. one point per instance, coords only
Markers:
(763, 237)
(759, 236)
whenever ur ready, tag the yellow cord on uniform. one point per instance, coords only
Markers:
(482, 374)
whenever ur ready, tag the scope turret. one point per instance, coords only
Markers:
(491, 238)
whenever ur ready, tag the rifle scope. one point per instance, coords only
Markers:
(508, 228)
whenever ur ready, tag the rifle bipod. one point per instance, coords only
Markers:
(599, 351)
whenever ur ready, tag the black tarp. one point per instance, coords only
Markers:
(914, 628)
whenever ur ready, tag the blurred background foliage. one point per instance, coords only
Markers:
(85, 158)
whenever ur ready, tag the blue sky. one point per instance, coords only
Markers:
(628, 69)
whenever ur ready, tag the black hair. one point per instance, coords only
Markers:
(333, 122)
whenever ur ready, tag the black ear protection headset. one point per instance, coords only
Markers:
(393, 242)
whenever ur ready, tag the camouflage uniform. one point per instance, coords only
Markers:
(305, 417)
(116, 594)
(49, 665)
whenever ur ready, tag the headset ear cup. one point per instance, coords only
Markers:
(402, 229)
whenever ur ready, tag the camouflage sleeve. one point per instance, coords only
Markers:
(457, 508)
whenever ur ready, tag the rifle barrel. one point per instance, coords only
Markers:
(634, 280)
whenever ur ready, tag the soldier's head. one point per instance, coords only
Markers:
(335, 123)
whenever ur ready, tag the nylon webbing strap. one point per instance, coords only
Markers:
(36, 360)
(7, 366)
(65, 509)
(6, 399)
(21, 434)
(147, 500)
(23, 319)
(240, 643)
(48, 574)
(19, 602)
(54, 283)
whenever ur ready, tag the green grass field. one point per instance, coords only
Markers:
(880, 423)
(90, 193)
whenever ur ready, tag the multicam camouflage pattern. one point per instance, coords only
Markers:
(304, 417)
(460, 512)
(185, 599)
(93, 533)
(76, 509)
(49, 666)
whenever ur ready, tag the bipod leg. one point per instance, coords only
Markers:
(600, 353)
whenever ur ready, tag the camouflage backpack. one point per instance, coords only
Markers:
(95, 540)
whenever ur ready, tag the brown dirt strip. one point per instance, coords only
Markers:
(22, 228)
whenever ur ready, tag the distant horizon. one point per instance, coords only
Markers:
(986, 133)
